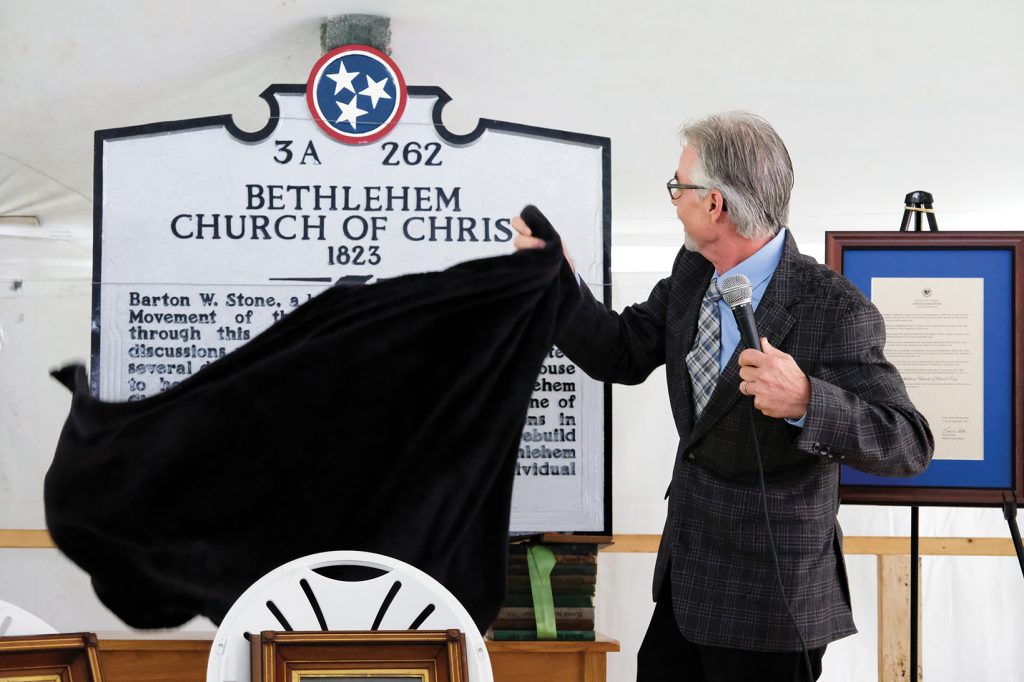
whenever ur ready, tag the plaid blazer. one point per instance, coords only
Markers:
(715, 544)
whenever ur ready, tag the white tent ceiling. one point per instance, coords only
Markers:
(873, 100)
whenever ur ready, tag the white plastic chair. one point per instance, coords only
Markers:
(296, 597)
(16, 621)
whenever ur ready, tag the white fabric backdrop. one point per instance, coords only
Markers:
(873, 99)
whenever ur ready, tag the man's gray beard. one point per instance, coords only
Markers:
(688, 243)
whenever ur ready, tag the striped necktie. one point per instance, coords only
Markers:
(702, 360)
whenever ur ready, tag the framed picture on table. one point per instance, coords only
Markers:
(50, 658)
(953, 305)
(377, 656)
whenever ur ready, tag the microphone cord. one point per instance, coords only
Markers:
(771, 541)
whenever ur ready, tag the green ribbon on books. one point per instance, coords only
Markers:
(541, 560)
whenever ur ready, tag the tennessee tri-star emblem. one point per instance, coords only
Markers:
(356, 94)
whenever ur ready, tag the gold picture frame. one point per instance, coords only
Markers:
(50, 658)
(377, 656)
(375, 674)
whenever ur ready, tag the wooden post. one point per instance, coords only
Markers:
(894, 619)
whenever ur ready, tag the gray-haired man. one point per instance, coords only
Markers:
(823, 395)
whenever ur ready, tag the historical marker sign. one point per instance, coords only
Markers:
(206, 234)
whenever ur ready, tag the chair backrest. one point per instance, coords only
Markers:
(341, 591)
(16, 621)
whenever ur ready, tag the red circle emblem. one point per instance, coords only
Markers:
(356, 94)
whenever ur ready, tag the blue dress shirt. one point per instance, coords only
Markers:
(759, 269)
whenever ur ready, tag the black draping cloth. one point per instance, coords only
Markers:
(383, 418)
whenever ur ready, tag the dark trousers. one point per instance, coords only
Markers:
(667, 656)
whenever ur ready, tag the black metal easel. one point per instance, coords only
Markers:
(1010, 514)
(918, 203)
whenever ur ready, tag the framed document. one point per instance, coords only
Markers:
(380, 656)
(953, 310)
(50, 658)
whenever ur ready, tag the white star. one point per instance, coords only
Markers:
(342, 79)
(350, 112)
(375, 90)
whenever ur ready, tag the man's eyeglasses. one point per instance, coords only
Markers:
(676, 188)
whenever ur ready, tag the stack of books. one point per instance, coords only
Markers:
(573, 581)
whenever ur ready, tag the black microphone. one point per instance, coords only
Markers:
(737, 292)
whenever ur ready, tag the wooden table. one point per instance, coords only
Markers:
(146, 659)
(551, 661)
